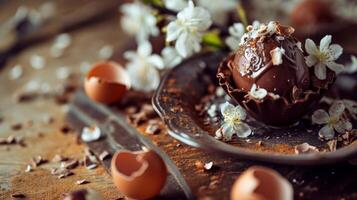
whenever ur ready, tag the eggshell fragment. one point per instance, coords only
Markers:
(140, 174)
(261, 183)
(107, 82)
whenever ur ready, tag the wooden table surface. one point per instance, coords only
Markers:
(47, 139)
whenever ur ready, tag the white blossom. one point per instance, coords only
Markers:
(277, 55)
(322, 56)
(188, 28)
(218, 9)
(171, 57)
(143, 67)
(233, 123)
(175, 5)
(138, 20)
(90, 134)
(236, 31)
(257, 93)
(332, 121)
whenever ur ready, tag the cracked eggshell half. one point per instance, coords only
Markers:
(140, 174)
(261, 183)
(107, 82)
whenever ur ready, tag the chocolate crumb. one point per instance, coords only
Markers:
(199, 165)
(59, 158)
(332, 144)
(70, 164)
(16, 126)
(104, 155)
(153, 127)
(37, 160)
(65, 129)
(18, 195)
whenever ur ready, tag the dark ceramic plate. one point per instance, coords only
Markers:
(186, 85)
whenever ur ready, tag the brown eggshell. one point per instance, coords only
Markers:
(107, 82)
(140, 174)
(261, 183)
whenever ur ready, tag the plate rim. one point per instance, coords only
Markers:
(320, 158)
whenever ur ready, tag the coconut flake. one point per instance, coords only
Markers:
(277, 55)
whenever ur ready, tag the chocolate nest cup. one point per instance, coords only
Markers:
(291, 99)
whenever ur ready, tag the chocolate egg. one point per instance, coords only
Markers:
(271, 60)
(140, 174)
(106, 82)
(311, 13)
(261, 183)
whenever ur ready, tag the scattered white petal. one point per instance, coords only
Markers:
(63, 73)
(351, 68)
(85, 67)
(37, 62)
(90, 134)
(257, 93)
(236, 32)
(212, 110)
(62, 41)
(16, 72)
(277, 55)
(305, 148)
(208, 166)
(106, 52)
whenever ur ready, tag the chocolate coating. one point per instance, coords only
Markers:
(292, 89)
(252, 63)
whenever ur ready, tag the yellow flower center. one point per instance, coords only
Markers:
(322, 56)
(332, 121)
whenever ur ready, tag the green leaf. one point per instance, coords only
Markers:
(154, 2)
(213, 40)
(242, 15)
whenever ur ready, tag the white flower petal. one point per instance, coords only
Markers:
(175, 5)
(156, 61)
(337, 109)
(335, 51)
(342, 126)
(170, 57)
(240, 112)
(144, 48)
(227, 132)
(320, 71)
(320, 117)
(226, 109)
(173, 31)
(242, 130)
(188, 44)
(232, 43)
(327, 132)
(325, 43)
(310, 47)
(337, 68)
(351, 68)
(311, 60)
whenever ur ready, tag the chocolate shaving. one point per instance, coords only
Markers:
(37, 161)
(104, 155)
(81, 182)
(70, 164)
(18, 195)
(61, 172)
(59, 158)
(153, 127)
